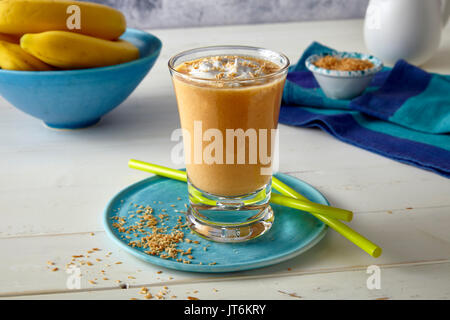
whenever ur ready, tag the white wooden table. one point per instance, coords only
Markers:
(54, 186)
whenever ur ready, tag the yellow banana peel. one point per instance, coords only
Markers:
(12, 57)
(9, 38)
(67, 50)
(18, 17)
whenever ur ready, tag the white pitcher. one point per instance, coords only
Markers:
(405, 29)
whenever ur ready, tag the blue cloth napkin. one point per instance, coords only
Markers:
(403, 115)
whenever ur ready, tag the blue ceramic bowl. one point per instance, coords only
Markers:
(77, 99)
(344, 84)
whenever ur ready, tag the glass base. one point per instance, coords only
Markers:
(228, 232)
(230, 219)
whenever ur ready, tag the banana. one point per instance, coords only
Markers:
(9, 38)
(12, 57)
(34, 16)
(67, 50)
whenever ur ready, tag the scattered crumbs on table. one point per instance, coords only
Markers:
(158, 241)
(124, 286)
(294, 295)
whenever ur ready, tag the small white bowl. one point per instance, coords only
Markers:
(344, 85)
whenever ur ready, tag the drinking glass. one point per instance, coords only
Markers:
(230, 133)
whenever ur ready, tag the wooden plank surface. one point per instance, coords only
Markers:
(421, 281)
(54, 186)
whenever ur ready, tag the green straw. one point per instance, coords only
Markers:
(287, 201)
(347, 232)
(311, 207)
(291, 198)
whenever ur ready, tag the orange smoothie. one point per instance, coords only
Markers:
(236, 99)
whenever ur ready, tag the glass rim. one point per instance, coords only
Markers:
(283, 69)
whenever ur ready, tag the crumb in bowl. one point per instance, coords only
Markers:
(343, 64)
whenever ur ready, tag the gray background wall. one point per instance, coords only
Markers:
(188, 13)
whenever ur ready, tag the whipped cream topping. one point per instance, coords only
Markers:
(229, 68)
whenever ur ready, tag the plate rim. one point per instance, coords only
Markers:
(194, 268)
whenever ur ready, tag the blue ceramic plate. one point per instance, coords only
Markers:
(293, 233)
